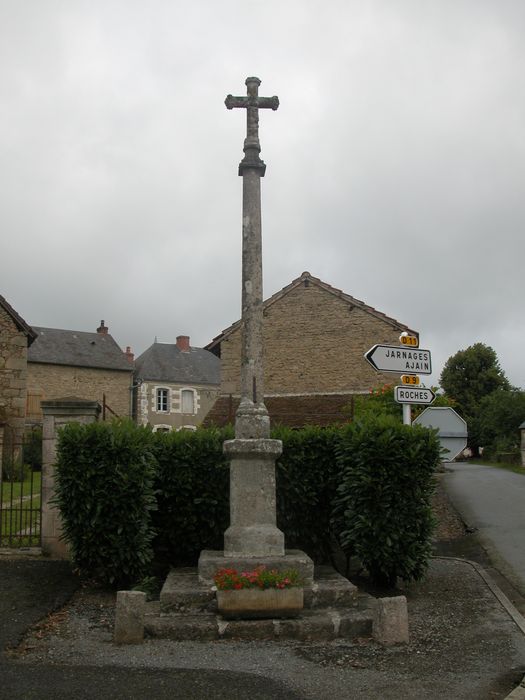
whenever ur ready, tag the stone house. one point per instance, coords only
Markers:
(176, 385)
(15, 338)
(315, 337)
(79, 364)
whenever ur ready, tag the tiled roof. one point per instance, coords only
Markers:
(165, 362)
(18, 320)
(77, 349)
(293, 411)
(306, 276)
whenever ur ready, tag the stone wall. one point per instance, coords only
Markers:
(57, 381)
(314, 342)
(13, 378)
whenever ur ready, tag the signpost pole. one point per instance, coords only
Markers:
(407, 414)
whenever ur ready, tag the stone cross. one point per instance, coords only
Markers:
(252, 419)
(253, 531)
(252, 103)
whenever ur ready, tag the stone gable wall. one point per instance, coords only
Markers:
(314, 342)
(57, 381)
(13, 377)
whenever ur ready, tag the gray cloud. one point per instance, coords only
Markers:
(395, 162)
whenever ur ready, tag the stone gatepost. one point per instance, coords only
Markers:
(1, 447)
(522, 431)
(56, 414)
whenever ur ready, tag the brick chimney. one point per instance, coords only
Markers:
(183, 343)
(129, 355)
(104, 330)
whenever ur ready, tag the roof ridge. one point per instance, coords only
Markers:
(18, 320)
(324, 285)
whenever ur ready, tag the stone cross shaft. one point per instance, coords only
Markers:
(252, 417)
(252, 531)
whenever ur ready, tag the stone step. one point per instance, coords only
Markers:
(183, 593)
(310, 625)
(330, 589)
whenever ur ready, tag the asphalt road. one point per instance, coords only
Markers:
(30, 589)
(493, 502)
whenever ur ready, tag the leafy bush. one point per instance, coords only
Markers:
(306, 479)
(192, 486)
(32, 448)
(104, 489)
(503, 449)
(382, 510)
(379, 401)
(500, 416)
(127, 494)
(15, 471)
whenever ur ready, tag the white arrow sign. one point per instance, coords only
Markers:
(398, 359)
(413, 394)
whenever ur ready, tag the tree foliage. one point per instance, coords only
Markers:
(470, 375)
(501, 413)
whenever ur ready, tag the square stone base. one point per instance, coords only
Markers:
(210, 561)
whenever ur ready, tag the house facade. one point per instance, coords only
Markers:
(15, 338)
(83, 365)
(175, 385)
(315, 338)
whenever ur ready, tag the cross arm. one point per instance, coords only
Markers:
(247, 101)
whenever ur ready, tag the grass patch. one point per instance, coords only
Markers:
(515, 468)
(17, 489)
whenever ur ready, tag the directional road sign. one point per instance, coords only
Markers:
(452, 428)
(399, 359)
(413, 394)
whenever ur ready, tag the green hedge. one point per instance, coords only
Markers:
(192, 486)
(382, 512)
(105, 491)
(306, 483)
(128, 495)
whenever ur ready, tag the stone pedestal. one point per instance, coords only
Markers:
(252, 531)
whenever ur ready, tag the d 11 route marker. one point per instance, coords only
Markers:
(411, 340)
(393, 358)
(405, 394)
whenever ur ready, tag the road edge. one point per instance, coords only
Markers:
(519, 691)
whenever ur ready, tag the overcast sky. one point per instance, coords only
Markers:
(395, 163)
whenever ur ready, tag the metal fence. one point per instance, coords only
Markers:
(21, 490)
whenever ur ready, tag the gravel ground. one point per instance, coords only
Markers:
(462, 643)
